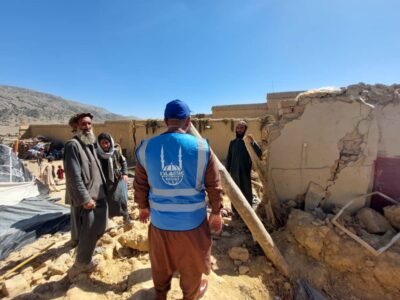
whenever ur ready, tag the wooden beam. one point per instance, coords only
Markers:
(249, 216)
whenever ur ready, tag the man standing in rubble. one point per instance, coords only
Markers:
(173, 173)
(238, 161)
(85, 192)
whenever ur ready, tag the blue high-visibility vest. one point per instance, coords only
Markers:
(175, 164)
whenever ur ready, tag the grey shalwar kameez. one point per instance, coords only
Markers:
(238, 164)
(84, 181)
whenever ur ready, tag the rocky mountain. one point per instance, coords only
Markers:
(24, 106)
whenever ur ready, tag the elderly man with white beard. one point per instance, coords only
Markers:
(85, 192)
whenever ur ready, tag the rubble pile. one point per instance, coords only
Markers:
(335, 263)
(239, 267)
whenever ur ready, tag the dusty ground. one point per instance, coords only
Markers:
(124, 272)
(315, 250)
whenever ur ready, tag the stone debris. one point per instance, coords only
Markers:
(345, 259)
(15, 286)
(61, 265)
(77, 293)
(114, 232)
(226, 234)
(392, 213)
(373, 221)
(292, 204)
(239, 253)
(369, 263)
(237, 262)
(314, 195)
(244, 270)
(137, 238)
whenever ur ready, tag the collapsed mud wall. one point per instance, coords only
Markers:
(331, 137)
(334, 263)
(130, 133)
(218, 132)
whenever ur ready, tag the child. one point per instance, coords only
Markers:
(60, 173)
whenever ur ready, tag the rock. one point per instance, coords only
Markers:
(346, 217)
(113, 232)
(225, 234)
(392, 213)
(36, 277)
(239, 253)
(111, 224)
(108, 253)
(306, 234)
(15, 286)
(373, 221)
(124, 252)
(27, 273)
(57, 269)
(386, 238)
(371, 239)
(56, 278)
(319, 213)
(237, 262)
(136, 238)
(60, 266)
(99, 250)
(106, 239)
(315, 193)
(287, 286)
(292, 204)
(76, 293)
(27, 270)
(369, 263)
(244, 270)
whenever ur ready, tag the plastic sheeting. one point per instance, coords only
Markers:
(16, 182)
(13, 192)
(23, 223)
(11, 168)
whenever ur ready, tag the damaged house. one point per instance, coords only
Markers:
(326, 149)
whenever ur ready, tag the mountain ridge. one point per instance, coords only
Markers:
(25, 106)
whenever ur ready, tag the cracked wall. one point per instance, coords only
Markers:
(329, 137)
(332, 138)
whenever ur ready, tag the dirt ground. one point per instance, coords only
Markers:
(315, 250)
(124, 272)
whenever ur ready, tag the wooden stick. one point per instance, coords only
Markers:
(26, 261)
(356, 237)
(271, 211)
(249, 216)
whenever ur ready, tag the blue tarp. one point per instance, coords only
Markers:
(26, 221)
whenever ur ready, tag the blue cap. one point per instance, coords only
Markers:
(176, 109)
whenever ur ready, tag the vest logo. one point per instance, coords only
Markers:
(171, 174)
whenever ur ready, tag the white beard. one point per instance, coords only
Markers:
(86, 138)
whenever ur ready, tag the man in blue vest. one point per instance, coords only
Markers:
(173, 174)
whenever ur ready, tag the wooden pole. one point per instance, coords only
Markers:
(26, 261)
(273, 207)
(249, 216)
